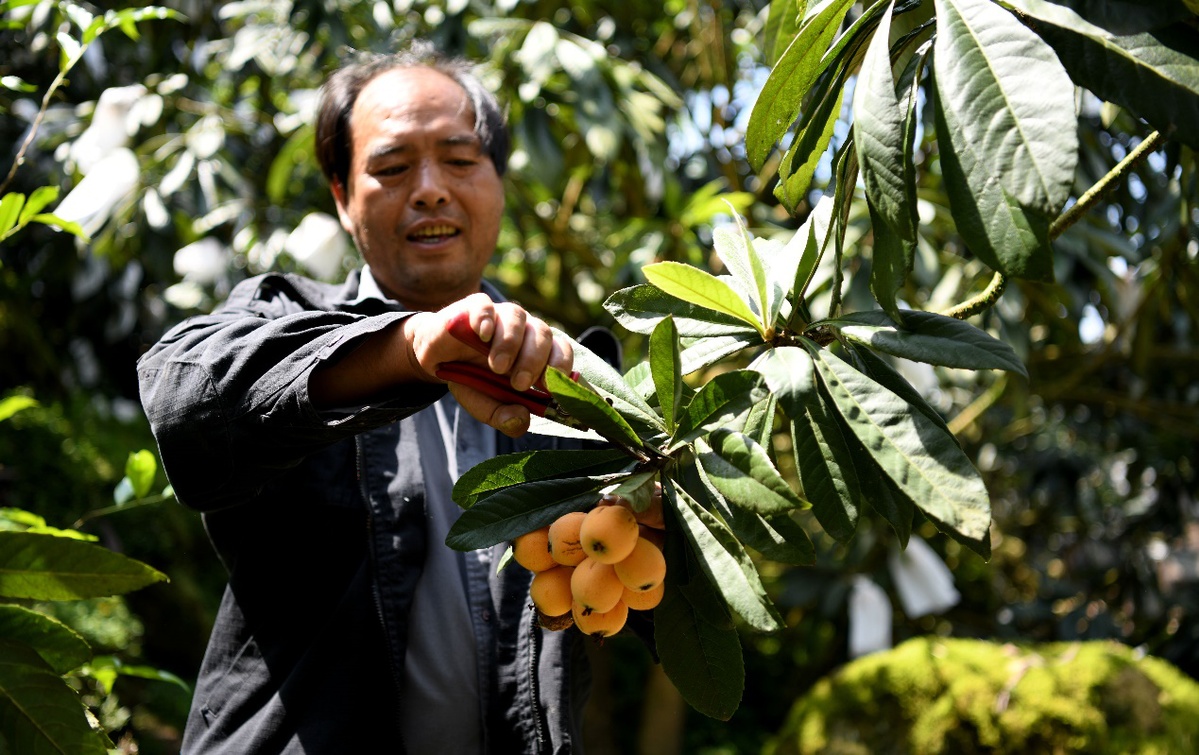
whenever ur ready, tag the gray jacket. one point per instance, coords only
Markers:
(309, 640)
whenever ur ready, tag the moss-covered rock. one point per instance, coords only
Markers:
(935, 695)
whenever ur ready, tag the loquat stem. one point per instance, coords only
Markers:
(988, 296)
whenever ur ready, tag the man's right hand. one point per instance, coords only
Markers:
(521, 347)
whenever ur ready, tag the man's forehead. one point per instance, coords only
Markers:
(411, 94)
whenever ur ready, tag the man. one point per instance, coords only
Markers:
(304, 421)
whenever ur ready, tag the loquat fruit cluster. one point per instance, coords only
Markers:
(591, 567)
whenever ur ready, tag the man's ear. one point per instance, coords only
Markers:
(339, 198)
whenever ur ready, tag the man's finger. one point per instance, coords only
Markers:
(510, 419)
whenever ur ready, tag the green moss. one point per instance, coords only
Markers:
(932, 695)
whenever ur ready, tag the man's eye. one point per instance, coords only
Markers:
(391, 170)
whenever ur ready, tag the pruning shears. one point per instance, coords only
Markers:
(536, 399)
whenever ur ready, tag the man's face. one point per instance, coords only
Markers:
(423, 200)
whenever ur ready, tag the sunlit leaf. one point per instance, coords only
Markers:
(725, 562)
(512, 512)
(44, 567)
(808, 147)
(590, 408)
(702, 289)
(40, 713)
(1007, 125)
(717, 403)
(140, 469)
(506, 470)
(778, 538)
(10, 210)
(10, 405)
(40, 197)
(929, 337)
(878, 128)
(611, 385)
(640, 309)
(1008, 238)
(734, 246)
(666, 369)
(778, 102)
(637, 489)
(740, 468)
(1012, 98)
(694, 636)
(1151, 70)
(923, 460)
(887, 376)
(782, 24)
(708, 351)
(58, 645)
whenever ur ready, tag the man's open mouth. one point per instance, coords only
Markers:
(433, 233)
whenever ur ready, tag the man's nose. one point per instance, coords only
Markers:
(430, 189)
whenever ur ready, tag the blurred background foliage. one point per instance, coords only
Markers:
(187, 156)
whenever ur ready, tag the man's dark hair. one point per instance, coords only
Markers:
(341, 89)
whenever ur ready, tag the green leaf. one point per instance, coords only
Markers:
(72, 51)
(782, 24)
(778, 538)
(1007, 126)
(796, 263)
(44, 567)
(107, 668)
(931, 338)
(923, 460)
(721, 400)
(701, 657)
(67, 226)
(298, 147)
(740, 468)
(759, 424)
(845, 172)
(791, 78)
(886, 375)
(637, 489)
(891, 259)
(507, 470)
(724, 561)
(826, 464)
(707, 351)
(1154, 72)
(879, 137)
(140, 469)
(15, 83)
(611, 385)
(40, 197)
(789, 375)
(702, 289)
(666, 368)
(10, 405)
(640, 308)
(807, 149)
(889, 501)
(58, 645)
(1013, 99)
(735, 248)
(589, 407)
(513, 511)
(39, 713)
(1008, 238)
(10, 210)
